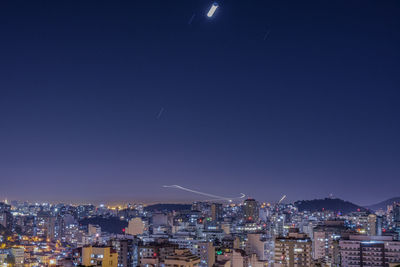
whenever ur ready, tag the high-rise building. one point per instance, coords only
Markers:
(3, 257)
(94, 233)
(207, 254)
(239, 258)
(379, 225)
(326, 240)
(94, 230)
(226, 227)
(181, 258)
(6, 219)
(396, 212)
(250, 210)
(127, 250)
(277, 226)
(256, 244)
(253, 261)
(362, 250)
(372, 225)
(19, 256)
(4, 207)
(104, 256)
(154, 254)
(260, 246)
(216, 212)
(135, 227)
(159, 219)
(396, 217)
(293, 250)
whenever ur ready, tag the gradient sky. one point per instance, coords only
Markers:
(314, 109)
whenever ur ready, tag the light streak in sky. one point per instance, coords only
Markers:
(191, 19)
(160, 113)
(279, 202)
(266, 35)
(213, 7)
(214, 197)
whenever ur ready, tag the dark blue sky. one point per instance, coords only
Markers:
(312, 110)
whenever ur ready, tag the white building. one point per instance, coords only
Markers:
(262, 247)
(326, 241)
(135, 227)
(19, 255)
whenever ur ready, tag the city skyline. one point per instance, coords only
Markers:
(109, 101)
(201, 234)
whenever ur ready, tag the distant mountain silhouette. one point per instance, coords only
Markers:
(168, 207)
(383, 205)
(328, 204)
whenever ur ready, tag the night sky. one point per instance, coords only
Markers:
(107, 101)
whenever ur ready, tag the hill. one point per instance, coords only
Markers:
(383, 205)
(329, 204)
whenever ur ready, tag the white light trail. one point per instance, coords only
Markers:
(215, 197)
(279, 202)
(211, 12)
(160, 113)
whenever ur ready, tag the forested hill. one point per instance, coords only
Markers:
(328, 204)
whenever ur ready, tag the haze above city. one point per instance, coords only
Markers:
(108, 102)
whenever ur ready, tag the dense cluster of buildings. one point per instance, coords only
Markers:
(206, 234)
